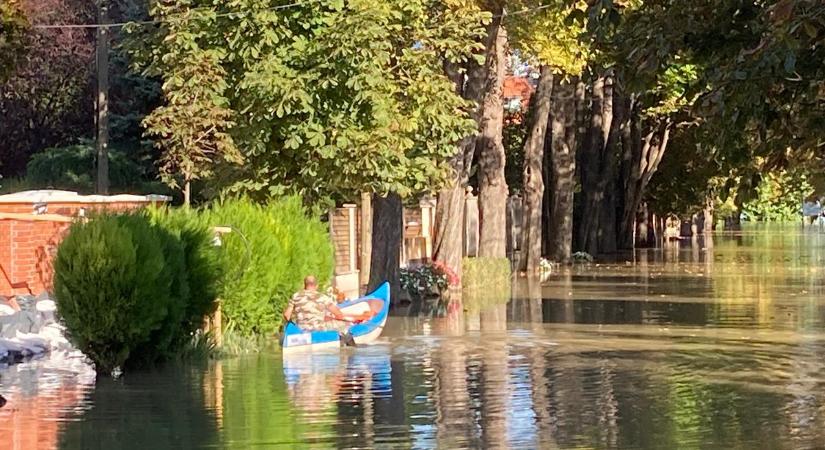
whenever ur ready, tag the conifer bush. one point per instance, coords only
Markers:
(203, 273)
(112, 287)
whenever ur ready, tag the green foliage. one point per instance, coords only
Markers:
(11, 185)
(486, 281)
(193, 260)
(334, 98)
(111, 286)
(13, 27)
(779, 197)
(428, 279)
(73, 168)
(550, 34)
(236, 344)
(271, 249)
(514, 134)
(132, 292)
(192, 127)
(687, 178)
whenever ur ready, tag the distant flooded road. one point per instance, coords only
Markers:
(716, 343)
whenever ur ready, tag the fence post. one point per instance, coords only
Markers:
(366, 238)
(427, 209)
(470, 224)
(352, 234)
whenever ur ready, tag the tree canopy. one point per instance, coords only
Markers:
(327, 99)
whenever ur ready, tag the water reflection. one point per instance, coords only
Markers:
(695, 345)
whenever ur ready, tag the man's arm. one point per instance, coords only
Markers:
(336, 312)
(288, 312)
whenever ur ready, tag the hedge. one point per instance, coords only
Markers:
(133, 288)
(265, 259)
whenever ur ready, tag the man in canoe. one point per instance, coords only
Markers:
(310, 309)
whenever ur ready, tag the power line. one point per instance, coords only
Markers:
(226, 14)
(159, 21)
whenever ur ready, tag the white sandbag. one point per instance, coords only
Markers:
(6, 310)
(46, 306)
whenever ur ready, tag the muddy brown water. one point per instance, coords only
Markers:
(716, 343)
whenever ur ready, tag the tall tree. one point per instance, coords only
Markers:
(533, 173)
(550, 39)
(192, 127)
(563, 158)
(47, 99)
(13, 27)
(332, 99)
(448, 243)
(597, 161)
(492, 186)
(468, 76)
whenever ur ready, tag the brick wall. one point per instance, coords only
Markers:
(28, 246)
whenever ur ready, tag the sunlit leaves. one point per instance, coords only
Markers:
(333, 98)
(550, 33)
(13, 27)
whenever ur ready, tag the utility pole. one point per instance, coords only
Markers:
(102, 50)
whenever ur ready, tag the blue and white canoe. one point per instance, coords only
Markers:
(295, 339)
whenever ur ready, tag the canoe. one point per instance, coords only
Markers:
(378, 302)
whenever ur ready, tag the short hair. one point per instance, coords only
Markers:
(310, 281)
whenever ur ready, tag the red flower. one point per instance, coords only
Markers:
(443, 269)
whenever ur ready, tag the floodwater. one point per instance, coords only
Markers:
(706, 344)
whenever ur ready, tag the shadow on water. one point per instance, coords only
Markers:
(697, 345)
(160, 409)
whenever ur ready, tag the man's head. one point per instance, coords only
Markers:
(310, 283)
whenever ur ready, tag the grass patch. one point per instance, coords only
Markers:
(485, 282)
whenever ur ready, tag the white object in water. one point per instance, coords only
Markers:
(6, 310)
(46, 306)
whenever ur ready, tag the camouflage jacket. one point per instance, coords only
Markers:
(309, 309)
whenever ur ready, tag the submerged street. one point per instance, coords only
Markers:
(716, 343)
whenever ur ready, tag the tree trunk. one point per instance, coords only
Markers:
(626, 134)
(187, 193)
(608, 227)
(644, 232)
(449, 227)
(563, 149)
(708, 217)
(448, 240)
(642, 156)
(492, 199)
(102, 57)
(549, 183)
(387, 232)
(533, 179)
(596, 164)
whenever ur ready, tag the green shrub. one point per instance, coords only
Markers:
(485, 282)
(132, 291)
(165, 340)
(200, 257)
(265, 259)
(428, 279)
(112, 287)
(73, 168)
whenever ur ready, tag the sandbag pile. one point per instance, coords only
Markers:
(30, 330)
